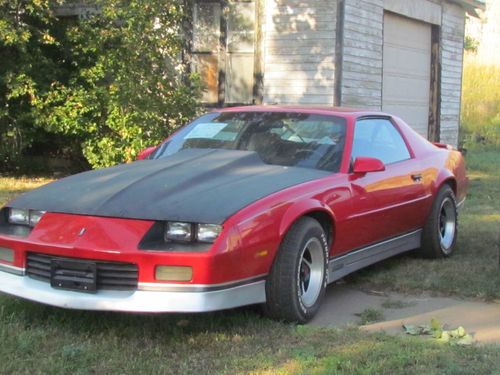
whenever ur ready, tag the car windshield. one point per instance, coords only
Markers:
(287, 139)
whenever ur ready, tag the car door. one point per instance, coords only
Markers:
(388, 203)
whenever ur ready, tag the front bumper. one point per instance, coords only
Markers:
(230, 296)
(223, 277)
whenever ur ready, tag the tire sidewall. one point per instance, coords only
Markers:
(431, 237)
(445, 194)
(307, 312)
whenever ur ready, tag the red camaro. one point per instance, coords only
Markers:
(241, 206)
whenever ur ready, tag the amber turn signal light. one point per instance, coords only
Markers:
(173, 273)
(7, 255)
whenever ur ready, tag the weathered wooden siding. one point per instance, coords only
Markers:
(362, 54)
(452, 41)
(299, 51)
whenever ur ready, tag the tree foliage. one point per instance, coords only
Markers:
(25, 66)
(114, 81)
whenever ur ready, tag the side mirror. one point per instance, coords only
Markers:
(145, 153)
(364, 165)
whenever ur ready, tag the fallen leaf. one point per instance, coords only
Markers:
(435, 324)
(437, 334)
(425, 330)
(445, 337)
(461, 331)
(466, 340)
(411, 329)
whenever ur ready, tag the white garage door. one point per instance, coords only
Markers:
(407, 70)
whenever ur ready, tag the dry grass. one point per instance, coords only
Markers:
(12, 186)
(480, 104)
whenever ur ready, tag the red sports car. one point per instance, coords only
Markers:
(251, 205)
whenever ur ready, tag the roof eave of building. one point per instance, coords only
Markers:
(471, 6)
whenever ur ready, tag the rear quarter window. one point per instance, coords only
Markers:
(379, 138)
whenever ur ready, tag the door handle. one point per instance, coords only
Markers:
(417, 177)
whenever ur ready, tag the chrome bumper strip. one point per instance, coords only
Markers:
(11, 269)
(170, 287)
(134, 301)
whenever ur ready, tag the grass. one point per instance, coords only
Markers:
(12, 186)
(370, 315)
(480, 103)
(40, 339)
(473, 271)
(396, 304)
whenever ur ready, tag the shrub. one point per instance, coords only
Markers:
(24, 46)
(115, 82)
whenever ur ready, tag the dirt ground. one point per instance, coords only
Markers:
(343, 302)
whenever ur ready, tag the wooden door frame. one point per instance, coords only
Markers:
(434, 130)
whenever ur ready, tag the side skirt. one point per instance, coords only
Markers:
(353, 261)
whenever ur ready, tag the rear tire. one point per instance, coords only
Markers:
(296, 284)
(439, 235)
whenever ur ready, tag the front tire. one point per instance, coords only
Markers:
(439, 235)
(296, 284)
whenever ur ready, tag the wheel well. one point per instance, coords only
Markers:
(452, 184)
(326, 222)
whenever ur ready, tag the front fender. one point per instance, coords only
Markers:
(302, 208)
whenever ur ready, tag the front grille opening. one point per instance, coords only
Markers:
(110, 275)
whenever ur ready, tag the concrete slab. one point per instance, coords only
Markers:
(342, 303)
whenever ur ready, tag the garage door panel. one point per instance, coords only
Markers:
(396, 84)
(415, 112)
(407, 70)
(407, 32)
(410, 61)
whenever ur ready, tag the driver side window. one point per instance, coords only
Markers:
(378, 138)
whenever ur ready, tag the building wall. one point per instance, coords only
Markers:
(486, 30)
(299, 51)
(362, 54)
(452, 43)
(306, 59)
(362, 62)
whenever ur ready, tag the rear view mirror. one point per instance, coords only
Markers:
(365, 165)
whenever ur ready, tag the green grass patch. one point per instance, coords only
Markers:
(473, 271)
(480, 104)
(396, 304)
(41, 339)
(370, 315)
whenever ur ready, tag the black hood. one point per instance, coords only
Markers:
(194, 185)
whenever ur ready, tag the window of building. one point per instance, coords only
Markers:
(223, 50)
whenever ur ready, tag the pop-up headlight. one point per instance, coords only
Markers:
(18, 216)
(176, 231)
(189, 232)
(25, 217)
(35, 217)
(208, 232)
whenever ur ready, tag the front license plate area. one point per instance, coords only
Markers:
(73, 275)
